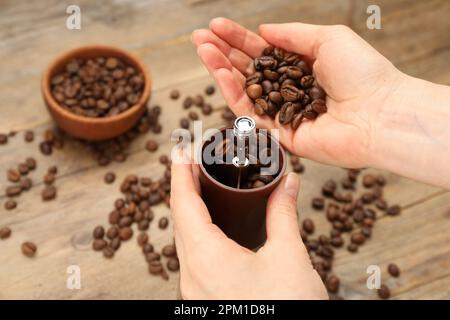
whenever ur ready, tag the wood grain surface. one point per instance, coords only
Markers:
(414, 36)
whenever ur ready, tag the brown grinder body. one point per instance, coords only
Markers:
(240, 213)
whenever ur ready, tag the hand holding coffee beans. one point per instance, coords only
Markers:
(283, 84)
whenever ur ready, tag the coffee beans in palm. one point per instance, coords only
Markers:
(283, 84)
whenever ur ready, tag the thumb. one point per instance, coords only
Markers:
(281, 220)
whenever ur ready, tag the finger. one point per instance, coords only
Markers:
(189, 213)
(238, 37)
(214, 59)
(238, 59)
(281, 220)
(301, 38)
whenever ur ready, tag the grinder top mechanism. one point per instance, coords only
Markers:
(244, 127)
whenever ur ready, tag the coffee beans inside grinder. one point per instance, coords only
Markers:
(240, 167)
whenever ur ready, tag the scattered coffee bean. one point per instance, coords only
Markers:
(352, 247)
(151, 145)
(184, 123)
(98, 244)
(5, 233)
(393, 270)
(155, 267)
(173, 264)
(394, 210)
(318, 203)
(125, 233)
(308, 226)
(384, 292)
(26, 184)
(142, 238)
(29, 249)
(3, 139)
(169, 251)
(163, 223)
(332, 283)
(109, 177)
(369, 180)
(28, 136)
(193, 115)
(209, 90)
(108, 252)
(13, 191)
(13, 175)
(10, 204)
(49, 179)
(31, 163)
(357, 238)
(49, 193)
(99, 232)
(174, 94)
(147, 248)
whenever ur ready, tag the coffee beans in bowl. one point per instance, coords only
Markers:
(96, 92)
(283, 84)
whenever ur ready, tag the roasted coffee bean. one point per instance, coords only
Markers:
(29, 249)
(312, 245)
(357, 238)
(173, 264)
(46, 148)
(5, 233)
(394, 210)
(318, 203)
(366, 231)
(169, 251)
(352, 247)
(384, 292)
(125, 221)
(369, 180)
(291, 93)
(309, 113)
(143, 225)
(316, 93)
(294, 72)
(260, 107)
(155, 267)
(23, 169)
(254, 91)
(381, 180)
(13, 175)
(174, 94)
(98, 232)
(319, 106)
(142, 238)
(28, 136)
(31, 163)
(296, 121)
(307, 81)
(254, 79)
(115, 243)
(207, 109)
(114, 217)
(147, 248)
(113, 232)
(125, 233)
(193, 115)
(308, 226)
(48, 193)
(265, 62)
(152, 256)
(108, 252)
(188, 102)
(10, 204)
(298, 168)
(209, 90)
(109, 177)
(329, 188)
(98, 244)
(184, 123)
(163, 223)
(3, 139)
(337, 241)
(151, 145)
(13, 191)
(332, 283)
(267, 86)
(286, 113)
(49, 179)
(393, 270)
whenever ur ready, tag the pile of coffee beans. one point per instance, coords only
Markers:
(140, 194)
(98, 87)
(53, 139)
(347, 214)
(283, 84)
(20, 181)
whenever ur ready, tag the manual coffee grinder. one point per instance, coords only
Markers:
(248, 165)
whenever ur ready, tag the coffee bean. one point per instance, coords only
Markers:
(309, 112)
(46, 148)
(184, 123)
(352, 247)
(198, 100)
(3, 139)
(193, 115)
(393, 270)
(209, 90)
(291, 93)
(108, 252)
(115, 243)
(49, 179)
(155, 267)
(369, 180)
(357, 238)
(125, 233)
(286, 113)
(147, 248)
(112, 232)
(319, 106)
(98, 232)
(308, 226)
(318, 203)
(13, 175)
(25, 184)
(394, 210)
(98, 244)
(48, 193)
(31, 163)
(142, 238)
(381, 181)
(29, 249)
(296, 121)
(10, 204)
(336, 241)
(329, 188)
(307, 81)
(28, 136)
(5, 233)
(114, 217)
(143, 225)
(188, 102)
(207, 109)
(173, 264)
(109, 177)
(125, 221)
(317, 93)
(384, 292)
(174, 94)
(163, 223)
(151, 145)
(265, 62)
(169, 251)
(13, 191)
(332, 283)
(254, 91)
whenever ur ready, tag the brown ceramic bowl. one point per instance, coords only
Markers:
(94, 128)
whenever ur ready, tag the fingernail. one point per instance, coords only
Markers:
(291, 184)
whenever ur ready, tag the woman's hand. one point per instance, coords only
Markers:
(358, 80)
(212, 266)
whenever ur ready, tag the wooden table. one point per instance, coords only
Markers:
(414, 36)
